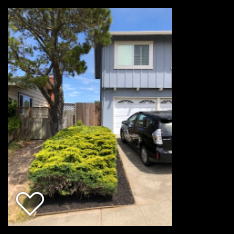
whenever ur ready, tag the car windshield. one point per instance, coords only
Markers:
(166, 128)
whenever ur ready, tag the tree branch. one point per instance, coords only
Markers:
(46, 95)
(49, 69)
(35, 33)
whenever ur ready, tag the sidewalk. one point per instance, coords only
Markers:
(152, 190)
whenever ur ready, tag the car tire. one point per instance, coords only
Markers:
(144, 156)
(122, 137)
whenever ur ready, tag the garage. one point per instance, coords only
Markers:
(165, 104)
(125, 107)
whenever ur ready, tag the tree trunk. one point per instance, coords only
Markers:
(56, 113)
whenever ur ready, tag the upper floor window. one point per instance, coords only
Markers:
(24, 101)
(133, 55)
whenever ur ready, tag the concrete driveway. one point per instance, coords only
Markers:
(152, 190)
(151, 186)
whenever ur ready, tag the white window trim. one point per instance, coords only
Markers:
(150, 66)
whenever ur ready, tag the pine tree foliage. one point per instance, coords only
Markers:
(56, 50)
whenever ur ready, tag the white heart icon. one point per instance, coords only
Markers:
(30, 198)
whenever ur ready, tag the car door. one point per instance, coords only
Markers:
(129, 128)
(142, 132)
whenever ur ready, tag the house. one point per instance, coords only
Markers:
(135, 73)
(35, 120)
(29, 97)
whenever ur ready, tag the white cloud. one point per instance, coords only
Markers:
(74, 94)
(68, 87)
(90, 89)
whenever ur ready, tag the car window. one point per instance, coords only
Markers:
(141, 121)
(148, 123)
(132, 119)
(166, 128)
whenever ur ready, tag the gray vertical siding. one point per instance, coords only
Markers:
(168, 60)
(159, 76)
(159, 47)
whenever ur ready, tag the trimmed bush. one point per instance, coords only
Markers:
(79, 159)
(78, 123)
(13, 120)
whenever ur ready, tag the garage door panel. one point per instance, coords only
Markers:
(124, 108)
(165, 104)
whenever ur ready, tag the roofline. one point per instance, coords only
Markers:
(141, 33)
(14, 84)
(47, 85)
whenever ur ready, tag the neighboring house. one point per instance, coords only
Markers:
(29, 97)
(135, 73)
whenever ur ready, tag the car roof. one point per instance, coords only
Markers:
(167, 114)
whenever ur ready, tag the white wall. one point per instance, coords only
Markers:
(37, 98)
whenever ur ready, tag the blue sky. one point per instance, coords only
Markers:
(85, 88)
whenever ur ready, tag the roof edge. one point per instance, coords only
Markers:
(141, 33)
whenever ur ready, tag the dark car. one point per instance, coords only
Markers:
(150, 133)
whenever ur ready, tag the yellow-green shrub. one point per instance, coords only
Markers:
(78, 159)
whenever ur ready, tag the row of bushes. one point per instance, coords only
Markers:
(79, 159)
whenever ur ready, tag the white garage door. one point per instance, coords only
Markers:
(165, 104)
(125, 107)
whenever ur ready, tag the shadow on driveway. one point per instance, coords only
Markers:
(133, 158)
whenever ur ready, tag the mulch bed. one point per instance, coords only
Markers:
(60, 203)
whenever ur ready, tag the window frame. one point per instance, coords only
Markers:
(147, 117)
(22, 94)
(136, 114)
(136, 122)
(150, 43)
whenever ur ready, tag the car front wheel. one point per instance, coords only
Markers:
(144, 156)
(122, 137)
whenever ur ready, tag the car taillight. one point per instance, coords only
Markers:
(157, 155)
(157, 137)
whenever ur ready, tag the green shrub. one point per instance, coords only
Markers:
(78, 159)
(11, 107)
(78, 123)
(13, 124)
(13, 120)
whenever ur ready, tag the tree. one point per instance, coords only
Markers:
(57, 50)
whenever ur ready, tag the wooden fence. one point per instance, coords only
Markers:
(35, 123)
(32, 128)
(33, 112)
(88, 113)
(35, 120)
(68, 115)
